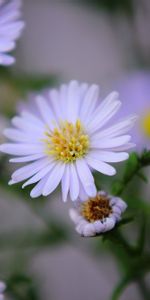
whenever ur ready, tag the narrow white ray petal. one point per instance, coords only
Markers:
(38, 189)
(80, 226)
(12, 30)
(27, 158)
(6, 45)
(105, 105)
(89, 102)
(101, 166)
(125, 147)
(72, 105)
(55, 103)
(89, 230)
(120, 128)
(32, 118)
(11, 182)
(6, 59)
(109, 224)
(112, 97)
(108, 156)
(65, 183)
(29, 170)
(74, 183)
(63, 102)
(46, 112)
(22, 149)
(86, 177)
(75, 216)
(110, 143)
(9, 17)
(54, 179)
(100, 119)
(83, 90)
(39, 175)
(18, 136)
(25, 125)
(82, 194)
(99, 226)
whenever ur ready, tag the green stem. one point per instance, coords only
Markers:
(119, 289)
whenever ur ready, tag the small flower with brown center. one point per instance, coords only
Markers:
(97, 215)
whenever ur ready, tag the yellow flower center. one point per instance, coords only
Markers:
(145, 124)
(95, 209)
(68, 142)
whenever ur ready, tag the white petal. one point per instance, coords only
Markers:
(18, 136)
(6, 59)
(124, 147)
(27, 158)
(12, 30)
(38, 176)
(89, 102)
(89, 230)
(6, 45)
(108, 156)
(86, 177)
(72, 105)
(116, 209)
(121, 204)
(29, 170)
(104, 113)
(26, 126)
(65, 183)
(100, 166)
(80, 226)
(32, 118)
(75, 216)
(54, 179)
(63, 97)
(82, 194)
(74, 183)
(110, 143)
(38, 189)
(46, 112)
(55, 102)
(109, 224)
(99, 119)
(99, 226)
(118, 129)
(22, 149)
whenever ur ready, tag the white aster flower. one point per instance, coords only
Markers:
(63, 138)
(10, 29)
(97, 215)
(2, 289)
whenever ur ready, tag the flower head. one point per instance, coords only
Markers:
(63, 138)
(135, 93)
(10, 29)
(97, 215)
(2, 289)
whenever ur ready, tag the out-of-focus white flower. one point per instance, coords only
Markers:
(134, 89)
(64, 138)
(2, 289)
(97, 215)
(10, 29)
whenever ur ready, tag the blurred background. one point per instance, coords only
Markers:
(106, 42)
